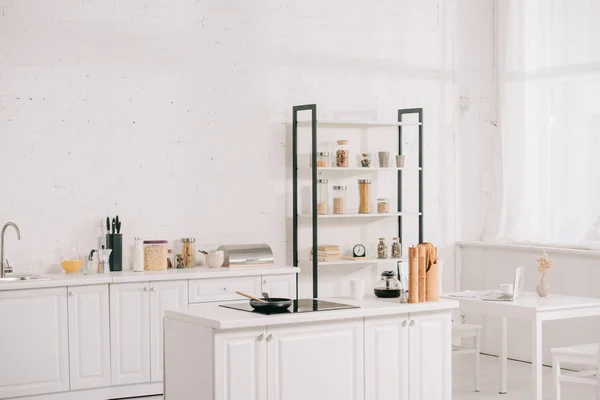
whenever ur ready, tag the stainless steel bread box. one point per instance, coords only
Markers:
(247, 255)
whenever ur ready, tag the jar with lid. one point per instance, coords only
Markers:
(155, 255)
(382, 250)
(188, 251)
(364, 194)
(396, 248)
(339, 200)
(383, 205)
(322, 159)
(365, 160)
(322, 196)
(342, 154)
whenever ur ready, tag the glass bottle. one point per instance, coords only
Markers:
(365, 160)
(382, 250)
(188, 250)
(364, 194)
(322, 194)
(339, 199)
(342, 155)
(396, 248)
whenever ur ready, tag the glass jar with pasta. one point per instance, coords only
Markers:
(188, 252)
(342, 155)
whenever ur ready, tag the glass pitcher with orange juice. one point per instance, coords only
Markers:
(70, 258)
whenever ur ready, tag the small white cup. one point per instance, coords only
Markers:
(357, 289)
(400, 161)
(506, 288)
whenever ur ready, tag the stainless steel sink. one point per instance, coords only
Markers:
(24, 278)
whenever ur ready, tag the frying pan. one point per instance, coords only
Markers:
(268, 304)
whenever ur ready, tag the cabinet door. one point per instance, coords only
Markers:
(323, 361)
(89, 336)
(130, 333)
(34, 354)
(280, 285)
(387, 358)
(168, 295)
(240, 365)
(430, 338)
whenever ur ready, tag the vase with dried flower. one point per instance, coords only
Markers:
(544, 262)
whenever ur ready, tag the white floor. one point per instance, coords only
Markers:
(519, 382)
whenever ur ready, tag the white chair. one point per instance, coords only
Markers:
(585, 354)
(461, 331)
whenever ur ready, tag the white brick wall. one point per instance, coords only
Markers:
(172, 113)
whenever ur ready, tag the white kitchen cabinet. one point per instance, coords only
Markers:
(89, 336)
(34, 355)
(280, 285)
(430, 339)
(168, 295)
(130, 332)
(241, 365)
(328, 357)
(386, 358)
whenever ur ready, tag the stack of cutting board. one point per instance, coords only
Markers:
(328, 252)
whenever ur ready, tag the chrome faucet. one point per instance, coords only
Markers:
(3, 271)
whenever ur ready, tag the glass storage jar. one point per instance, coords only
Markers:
(188, 252)
(383, 205)
(365, 160)
(396, 248)
(339, 200)
(364, 194)
(322, 159)
(342, 155)
(382, 250)
(155, 255)
(322, 196)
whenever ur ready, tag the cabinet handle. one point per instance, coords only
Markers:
(261, 337)
(224, 289)
(404, 323)
(270, 336)
(71, 294)
(152, 289)
(145, 289)
(266, 281)
(412, 323)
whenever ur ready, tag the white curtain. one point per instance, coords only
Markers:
(549, 90)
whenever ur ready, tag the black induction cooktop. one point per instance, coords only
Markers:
(298, 306)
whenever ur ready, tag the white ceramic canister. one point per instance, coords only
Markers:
(138, 255)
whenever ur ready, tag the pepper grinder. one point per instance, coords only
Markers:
(103, 260)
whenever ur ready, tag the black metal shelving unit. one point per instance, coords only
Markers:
(312, 108)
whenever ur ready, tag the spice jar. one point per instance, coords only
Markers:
(188, 251)
(396, 248)
(383, 205)
(364, 194)
(322, 194)
(342, 155)
(339, 199)
(155, 255)
(323, 159)
(170, 259)
(365, 160)
(382, 250)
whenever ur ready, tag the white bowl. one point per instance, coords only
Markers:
(215, 259)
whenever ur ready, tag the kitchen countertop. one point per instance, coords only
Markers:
(221, 318)
(79, 279)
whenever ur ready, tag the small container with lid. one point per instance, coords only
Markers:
(322, 196)
(155, 255)
(364, 194)
(365, 160)
(342, 155)
(383, 205)
(396, 248)
(339, 200)
(322, 159)
(382, 249)
(188, 251)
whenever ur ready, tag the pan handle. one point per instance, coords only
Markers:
(251, 297)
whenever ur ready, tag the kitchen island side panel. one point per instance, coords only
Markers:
(188, 361)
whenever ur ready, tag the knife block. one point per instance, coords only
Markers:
(114, 241)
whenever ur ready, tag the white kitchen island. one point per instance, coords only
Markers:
(382, 350)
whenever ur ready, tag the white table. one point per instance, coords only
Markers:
(537, 310)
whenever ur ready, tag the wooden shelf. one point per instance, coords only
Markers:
(371, 215)
(358, 124)
(357, 261)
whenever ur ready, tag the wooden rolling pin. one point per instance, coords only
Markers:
(413, 275)
(422, 254)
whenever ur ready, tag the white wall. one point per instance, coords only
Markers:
(172, 113)
(486, 266)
